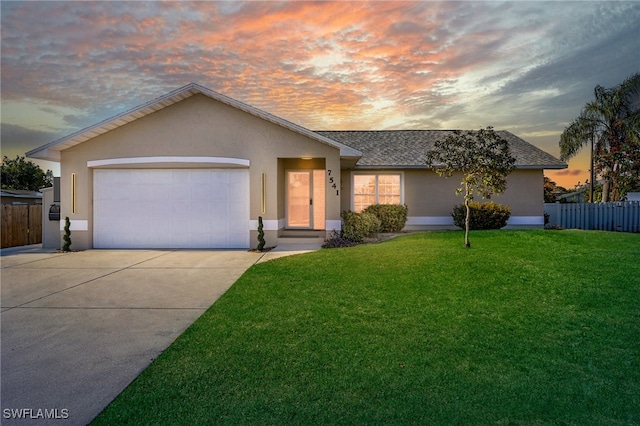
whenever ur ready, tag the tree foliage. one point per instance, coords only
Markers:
(484, 159)
(549, 190)
(22, 174)
(611, 122)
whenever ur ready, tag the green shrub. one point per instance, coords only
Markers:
(392, 217)
(261, 241)
(67, 235)
(336, 240)
(357, 226)
(483, 215)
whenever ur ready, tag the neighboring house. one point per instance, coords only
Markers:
(579, 196)
(195, 169)
(18, 196)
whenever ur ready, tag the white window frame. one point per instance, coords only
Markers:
(376, 174)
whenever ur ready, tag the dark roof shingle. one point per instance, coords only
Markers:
(407, 148)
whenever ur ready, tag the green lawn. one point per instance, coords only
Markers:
(524, 328)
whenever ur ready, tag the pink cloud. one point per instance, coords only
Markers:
(403, 59)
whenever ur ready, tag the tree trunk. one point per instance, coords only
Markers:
(592, 173)
(605, 187)
(467, 219)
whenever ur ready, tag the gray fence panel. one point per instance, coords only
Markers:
(616, 216)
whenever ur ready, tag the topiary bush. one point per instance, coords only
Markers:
(67, 235)
(483, 215)
(392, 217)
(357, 226)
(261, 241)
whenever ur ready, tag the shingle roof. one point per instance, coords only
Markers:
(407, 148)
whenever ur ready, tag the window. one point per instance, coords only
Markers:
(383, 188)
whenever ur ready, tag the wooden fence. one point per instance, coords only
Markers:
(21, 224)
(617, 216)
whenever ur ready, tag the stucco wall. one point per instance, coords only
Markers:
(197, 126)
(431, 195)
(51, 236)
(431, 198)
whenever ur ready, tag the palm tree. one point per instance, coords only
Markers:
(611, 124)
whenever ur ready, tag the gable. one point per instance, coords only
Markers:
(51, 151)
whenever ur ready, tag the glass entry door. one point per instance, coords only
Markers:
(306, 199)
(299, 199)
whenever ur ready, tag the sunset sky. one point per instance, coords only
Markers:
(525, 67)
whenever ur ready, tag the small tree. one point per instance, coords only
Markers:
(484, 159)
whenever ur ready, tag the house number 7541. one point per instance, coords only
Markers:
(332, 182)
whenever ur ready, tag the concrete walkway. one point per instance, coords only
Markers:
(283, 250)
(78, 327)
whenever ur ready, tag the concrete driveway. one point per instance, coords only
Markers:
(77, 328)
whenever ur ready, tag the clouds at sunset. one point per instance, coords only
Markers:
(569, 172)
(519, 66)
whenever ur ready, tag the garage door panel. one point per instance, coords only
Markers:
(117, 178)
(218, 191)
(234, 208)
(139, 192)
(141, 239)
(234, 187)
(108, 208)
(181, 208)
(200, 177)
(181, 192)
(110, 193)
(235, 237)
(199, 240)
(200, 208)
(179, 176)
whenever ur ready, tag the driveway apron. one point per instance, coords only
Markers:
(78, 327)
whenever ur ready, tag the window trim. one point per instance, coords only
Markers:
(376, 174)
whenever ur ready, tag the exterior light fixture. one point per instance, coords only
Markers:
(73, 193)
(263, 205)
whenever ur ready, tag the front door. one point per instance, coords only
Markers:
(305, 199)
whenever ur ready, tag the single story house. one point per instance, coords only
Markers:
(196, 169)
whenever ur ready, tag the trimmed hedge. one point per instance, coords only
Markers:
(357, 226)
(392, 217)
(483, 215)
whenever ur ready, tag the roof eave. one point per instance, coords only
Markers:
(388, 166)
(44, 153)
(542, 166)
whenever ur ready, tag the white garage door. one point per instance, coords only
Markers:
(171, 208)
